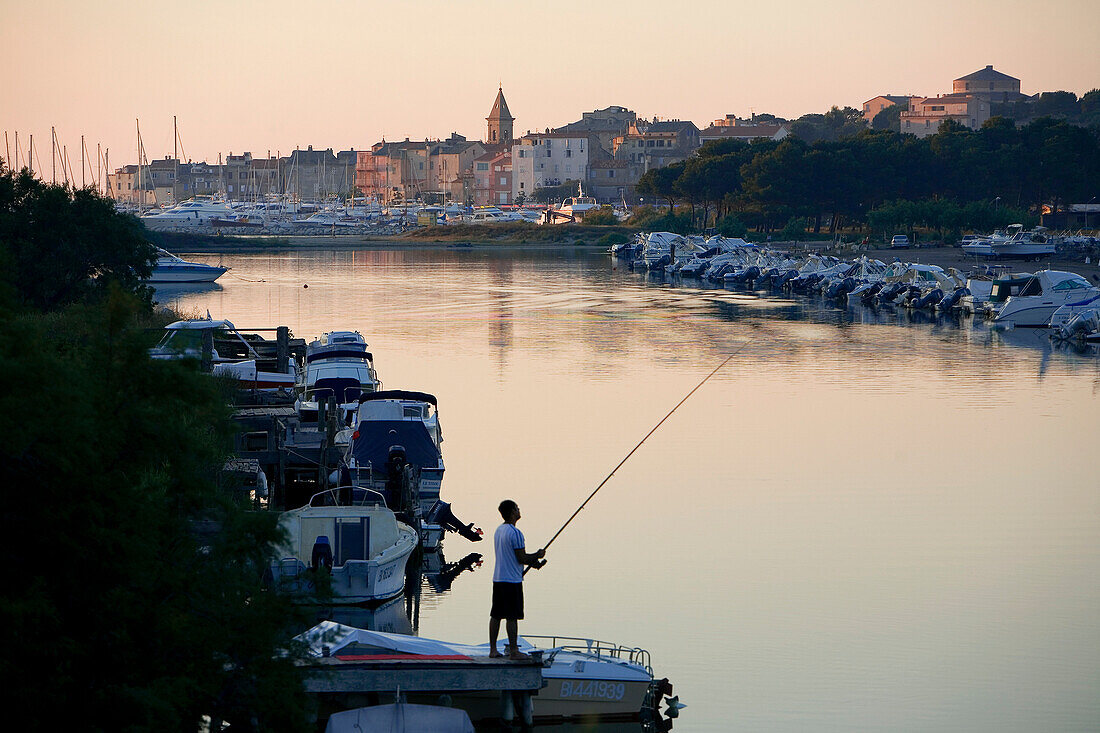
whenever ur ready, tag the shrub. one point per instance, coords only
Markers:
(611, 239)
(730, 226)
(603, 217)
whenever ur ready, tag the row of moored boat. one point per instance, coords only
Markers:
(1063, 301)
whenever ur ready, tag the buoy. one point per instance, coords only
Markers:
(306, 285)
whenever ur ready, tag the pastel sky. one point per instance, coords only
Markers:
(261, 75)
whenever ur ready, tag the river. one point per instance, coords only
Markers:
(865, 521)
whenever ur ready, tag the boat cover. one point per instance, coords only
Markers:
(376, 437)
(400, 717)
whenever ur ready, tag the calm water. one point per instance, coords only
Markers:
(864, 522)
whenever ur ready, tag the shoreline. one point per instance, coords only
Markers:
(943, 256)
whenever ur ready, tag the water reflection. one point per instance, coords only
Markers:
(867, 520)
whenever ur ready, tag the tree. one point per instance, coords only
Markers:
(888, 119)
(60, 245)
(135, 621)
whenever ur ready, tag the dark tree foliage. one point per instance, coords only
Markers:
(117, 613)
(60, 245)
(888, 119)
(549, 194)
(839, 182)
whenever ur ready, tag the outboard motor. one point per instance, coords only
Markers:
(951, 299)
(441, 514)
(322, 554)
(928, 300)
(841, 287)
(783, 280)
(1079, 326)
(661, 263)
(890, 292)
(869, 294)
(749, 275)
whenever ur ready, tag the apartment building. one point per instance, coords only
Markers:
(549, 159)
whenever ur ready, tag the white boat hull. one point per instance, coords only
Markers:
(192, 273)
(356, 581)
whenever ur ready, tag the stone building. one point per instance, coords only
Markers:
(657, 143)
(989, 85)
(924, 116)
(549, 159)
(604, 124)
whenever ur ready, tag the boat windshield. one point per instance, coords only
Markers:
(189, 340)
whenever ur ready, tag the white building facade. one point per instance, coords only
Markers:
(548, 159)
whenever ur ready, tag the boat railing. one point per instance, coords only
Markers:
(360, 496)
(598, 649)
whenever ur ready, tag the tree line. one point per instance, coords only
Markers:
(117, 612)
(989, 176)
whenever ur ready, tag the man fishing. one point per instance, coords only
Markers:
(511, 556)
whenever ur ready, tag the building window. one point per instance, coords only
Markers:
(990, 86)
(503, 181)
(610, 172)
(568, 153)
(483, 166)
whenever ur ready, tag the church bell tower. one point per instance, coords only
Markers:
(500, 122)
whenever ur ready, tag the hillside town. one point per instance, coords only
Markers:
(606, 151)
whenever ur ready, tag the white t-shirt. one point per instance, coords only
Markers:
(506, 540)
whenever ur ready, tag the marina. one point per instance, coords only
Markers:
(832, 567)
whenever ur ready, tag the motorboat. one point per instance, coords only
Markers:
(191, 214)
(218, 345)
(988, 295)
(1015, 242)
(1044, 293)
(337, 365)
(344, 541)
(585, 679)
(172, 269)
(660, 249)
(396, 449)
(574, 209)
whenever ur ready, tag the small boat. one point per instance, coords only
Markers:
(1015, 243)
(1044, 293)
(586, 680)
(349, 536)
(337, 365)
(228, 352)
(195, 213)
(397, 441)
(172, 269)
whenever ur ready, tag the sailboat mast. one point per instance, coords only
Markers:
(7, 150)
(30, 155)
(53, 156)
(82, 161)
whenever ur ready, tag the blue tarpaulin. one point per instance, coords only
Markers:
(377, 436)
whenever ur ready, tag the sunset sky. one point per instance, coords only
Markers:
(273, 74)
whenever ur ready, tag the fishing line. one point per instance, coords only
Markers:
(639, 445)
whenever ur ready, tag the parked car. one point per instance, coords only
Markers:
(900, 241)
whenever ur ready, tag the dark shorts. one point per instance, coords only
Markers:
(507, 601)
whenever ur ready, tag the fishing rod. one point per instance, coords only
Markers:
(639, 445)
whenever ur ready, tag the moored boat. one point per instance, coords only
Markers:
(218, 345)
(1044, 293)
(586, 679)
(350, 537)
(172, 269)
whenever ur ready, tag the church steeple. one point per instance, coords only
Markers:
(500, 121)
